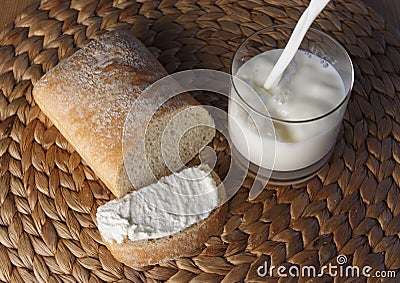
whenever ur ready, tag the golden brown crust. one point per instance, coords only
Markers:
(89, 95)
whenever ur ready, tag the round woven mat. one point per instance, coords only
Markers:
(49, 197)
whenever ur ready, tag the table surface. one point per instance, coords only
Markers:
(389, 9)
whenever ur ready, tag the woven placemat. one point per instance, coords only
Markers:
(49, 197)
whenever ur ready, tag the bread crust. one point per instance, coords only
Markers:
(89, 95)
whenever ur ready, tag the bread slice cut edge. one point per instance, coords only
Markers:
(156, 251)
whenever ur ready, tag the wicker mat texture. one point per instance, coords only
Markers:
(49, 197)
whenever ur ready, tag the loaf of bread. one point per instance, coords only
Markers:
(165, 220)
(88, 97)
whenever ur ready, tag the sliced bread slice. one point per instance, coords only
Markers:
(165, 220)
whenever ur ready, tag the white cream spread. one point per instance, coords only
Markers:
(161, 209)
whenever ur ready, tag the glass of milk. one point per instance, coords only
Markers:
(287, 133)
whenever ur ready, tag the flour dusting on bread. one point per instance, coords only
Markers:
(88, 97)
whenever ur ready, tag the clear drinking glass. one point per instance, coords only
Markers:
(254, 133)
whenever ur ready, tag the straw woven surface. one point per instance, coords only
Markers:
(49, 197)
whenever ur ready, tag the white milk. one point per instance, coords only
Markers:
(309, 88)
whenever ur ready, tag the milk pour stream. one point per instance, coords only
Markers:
(315, 7)
(301, 89)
